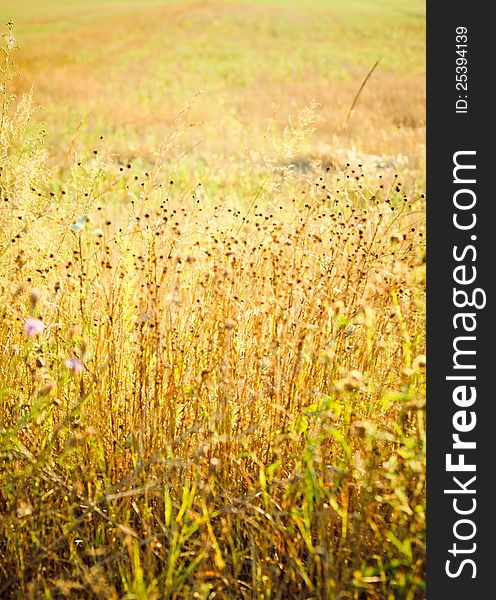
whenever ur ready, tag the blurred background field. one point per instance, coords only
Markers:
(126, 69)
(212, 280)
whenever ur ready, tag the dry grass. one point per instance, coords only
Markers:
(202, 398)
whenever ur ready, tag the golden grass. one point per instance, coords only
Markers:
(219, 398)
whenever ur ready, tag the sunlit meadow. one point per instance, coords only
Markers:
(212, 324)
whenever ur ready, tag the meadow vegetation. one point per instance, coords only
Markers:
(212, 324)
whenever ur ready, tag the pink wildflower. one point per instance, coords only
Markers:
(34, 326)
(74, 365)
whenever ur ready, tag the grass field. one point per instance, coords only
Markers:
(212, 324)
